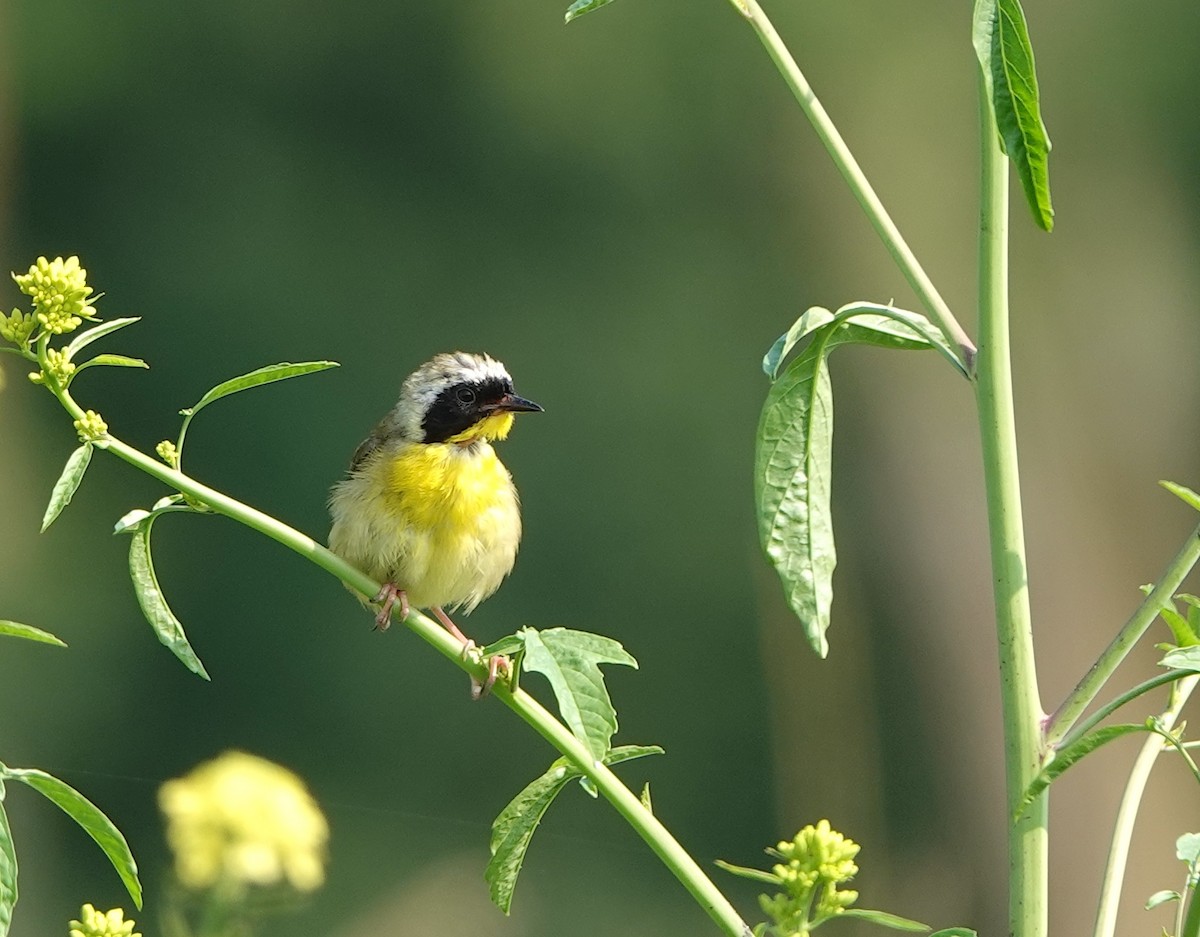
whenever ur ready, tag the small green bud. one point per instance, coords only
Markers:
(168, 453)
(17, 327)
(60, 293)
(91, 427)
(93, 923)
(816, 862)
(59, 365)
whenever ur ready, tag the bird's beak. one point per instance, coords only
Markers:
(511, 403)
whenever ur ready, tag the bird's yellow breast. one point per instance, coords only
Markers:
(440, 520)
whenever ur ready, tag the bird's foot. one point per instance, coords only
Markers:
(495, 664)
(388, 598)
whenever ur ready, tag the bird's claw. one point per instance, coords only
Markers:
(387, 598)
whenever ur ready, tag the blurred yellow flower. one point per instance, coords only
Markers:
(243, 819)
(93, 923)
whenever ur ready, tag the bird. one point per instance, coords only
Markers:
(426, 507)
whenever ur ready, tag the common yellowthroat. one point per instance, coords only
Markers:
(427, 508)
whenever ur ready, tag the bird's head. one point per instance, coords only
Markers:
(458, 398)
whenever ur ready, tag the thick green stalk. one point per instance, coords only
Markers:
(1079, 699)
(856, 179)
(1022, 711)
(530, 710)
(1135, 787)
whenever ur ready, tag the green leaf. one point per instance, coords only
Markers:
(513, 829)
(1162, 897)
(1181, 629)
(955, 932)
(1066, 757)
(1186, 495)
(794, 446)
(15, 629)
(150, 596)
(86, 337)
(579, 7)
(571, 661)
(644, 797)
(1182, 658)
(67, 484)
(116, 361)
(883, 919)
(8, 869)
(743, 871)
(90, 818)
(1001, 40)
(256, 378)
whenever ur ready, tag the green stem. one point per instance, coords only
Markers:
(1135, 787)
(1085, 691)
(1113, 705)
(848, 166)
(614, 790)
(1022, 711)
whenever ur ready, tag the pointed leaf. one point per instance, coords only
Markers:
(513, 829)
(67, 484)
(152, 601)
(571, 661)
(16, 629)
(90, 818)
(955, 932)
(86, 337)
(1066, 757)
(644, 797)
(1161, 897)
(884, 919)
(793, 470)
(1181, 629)
(1186, 495)
(743, 871)
(579, 7)
(1001, 40)
(8, 869)
(116, 361)
(265, 375)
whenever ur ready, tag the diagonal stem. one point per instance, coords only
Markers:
(856, 179)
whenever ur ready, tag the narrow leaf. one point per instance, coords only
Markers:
(16, 629)
(644, 797)
(571, 661)
(1066, 757)
(86, 337)
(743, 871)
(153, 603)
(8, 869)
(884, 919)
(67, 484)
(116, 361)
(266, 375)
(1161, 897)
(1186, 495)
(91, 819)
(1181, 630)
(630, 752)
(1001, 40)
(513, 830)
(794, 446)
(579, 7)
(955, 932)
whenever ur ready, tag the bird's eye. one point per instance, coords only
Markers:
(465, 395)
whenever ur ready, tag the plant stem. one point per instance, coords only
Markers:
(1085, 691)
(1022, 711)
(848, 166)
(1113, 705)
(1135, 787)
(614, 790)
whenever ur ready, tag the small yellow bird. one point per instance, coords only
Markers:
(427, 508)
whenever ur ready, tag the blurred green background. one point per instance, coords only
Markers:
(627, 212)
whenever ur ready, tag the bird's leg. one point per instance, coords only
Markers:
(387, 598)
(495, 662)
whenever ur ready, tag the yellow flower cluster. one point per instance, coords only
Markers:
(93, 923)
(91, 426)
(17, 327)
(816, 862)
(60, 293)
(240, 819)
(168, 453)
